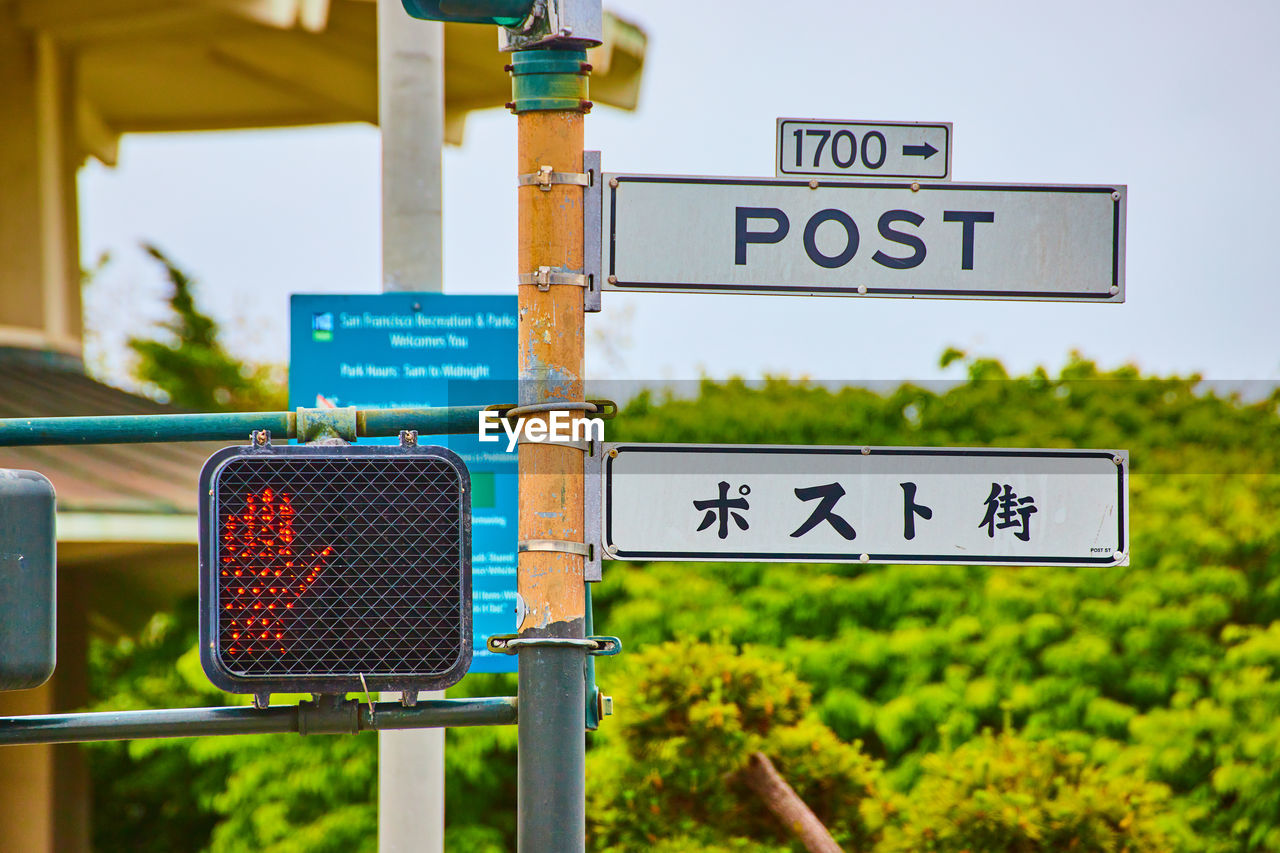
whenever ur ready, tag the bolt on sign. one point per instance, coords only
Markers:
(865, 504)
(328, 569)
(841, 237)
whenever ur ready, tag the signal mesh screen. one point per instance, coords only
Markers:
(339, 567)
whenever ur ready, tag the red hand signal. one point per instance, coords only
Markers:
(262, 576)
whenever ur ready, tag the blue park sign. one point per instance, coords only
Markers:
(427, 349)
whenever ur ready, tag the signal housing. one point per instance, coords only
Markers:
(335, 568)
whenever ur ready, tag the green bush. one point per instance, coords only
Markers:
(850, 677)
(692, 715)
(1009, 794)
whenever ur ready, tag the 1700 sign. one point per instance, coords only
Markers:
(874, 148)
(866, 149)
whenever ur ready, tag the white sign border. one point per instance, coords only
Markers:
(612, 450)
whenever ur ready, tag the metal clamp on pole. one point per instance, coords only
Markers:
(546, 177)
(562, 546)
(321, 424)
(555, 79)
(603, 409)
(510, 644)
(544, 277)
(329, 715)
(592, 233)
(557, 406)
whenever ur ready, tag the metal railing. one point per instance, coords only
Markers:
(230, 426)
(344, 716)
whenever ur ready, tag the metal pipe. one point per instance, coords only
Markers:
(243, 720)
(453, 420)
(444, 713)
(131, 429)
(228, 426)
(127, 725)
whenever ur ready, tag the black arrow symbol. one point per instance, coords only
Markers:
(926, 151)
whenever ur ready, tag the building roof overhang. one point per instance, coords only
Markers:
(184, 65)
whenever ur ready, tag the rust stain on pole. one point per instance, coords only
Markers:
(551, 368)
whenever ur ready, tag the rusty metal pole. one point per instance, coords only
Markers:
(550, 100)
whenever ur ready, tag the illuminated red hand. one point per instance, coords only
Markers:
(262, 576)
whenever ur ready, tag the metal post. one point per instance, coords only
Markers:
(550, 99)
(411, 118)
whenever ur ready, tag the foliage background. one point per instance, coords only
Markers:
(914, 707)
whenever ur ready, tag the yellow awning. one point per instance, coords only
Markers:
(182, 65)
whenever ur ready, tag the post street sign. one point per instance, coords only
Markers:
(865, 504)
(849, 238)
(870, 149)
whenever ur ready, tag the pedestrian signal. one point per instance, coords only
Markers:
(335, 568)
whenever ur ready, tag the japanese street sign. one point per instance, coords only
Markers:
(427, 349)
(865, 504)
(849, 238)
(880, 149)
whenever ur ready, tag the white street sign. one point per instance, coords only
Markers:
(850, 238)
(865, 504)
(869, 149)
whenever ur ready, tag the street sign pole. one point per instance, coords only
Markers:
(550, 92)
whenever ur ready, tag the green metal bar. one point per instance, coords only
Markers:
(230, 426)
(454, 420)
(131, 429)
(438, 713)
(240, 720)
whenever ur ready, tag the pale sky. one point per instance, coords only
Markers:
(1177, 100)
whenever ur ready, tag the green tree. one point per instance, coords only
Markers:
(149, 796)
(191, 368)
